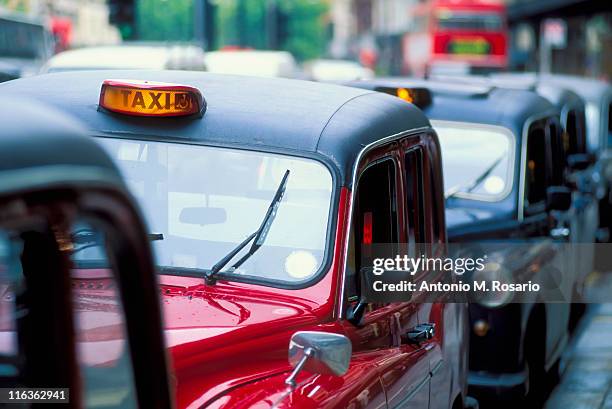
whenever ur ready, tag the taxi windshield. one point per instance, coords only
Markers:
(477, 160)
(202, 201)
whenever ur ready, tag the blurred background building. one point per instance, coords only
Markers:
(565, 36)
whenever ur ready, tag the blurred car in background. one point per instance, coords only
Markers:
(256, 63)
(597, 96)
(25, 44)
(154, 56)
(498, 169)
(336, 70)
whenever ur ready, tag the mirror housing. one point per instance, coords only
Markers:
(322, 353)
(203, 215)
(558, 198)
(579, 161)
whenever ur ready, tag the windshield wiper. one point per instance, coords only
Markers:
(258, 236)
(473, 184)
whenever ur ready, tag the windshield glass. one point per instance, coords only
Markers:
(477, 160)
(462, 20)
(206, 200)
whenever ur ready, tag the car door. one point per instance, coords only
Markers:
(425, 223)
(403, 368)
(555, 271)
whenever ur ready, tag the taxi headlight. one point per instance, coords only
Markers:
(493, 271)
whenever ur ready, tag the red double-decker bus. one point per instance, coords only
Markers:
(456, 35)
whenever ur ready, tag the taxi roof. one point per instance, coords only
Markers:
(35, 138)
(303, 118)
(590, 89)
(557, 94)
(472, 102)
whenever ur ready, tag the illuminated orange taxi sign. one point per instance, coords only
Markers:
(148, 98)
(405, 94)
(421, 97)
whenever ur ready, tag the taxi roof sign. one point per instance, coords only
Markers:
(421, 97)
(152, 99)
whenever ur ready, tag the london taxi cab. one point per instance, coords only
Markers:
(597, 95)
(93, 331)
(576, 168)
(259, 194)
(500, 187)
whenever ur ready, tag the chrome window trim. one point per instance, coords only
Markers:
(511, 158)
(349, 221)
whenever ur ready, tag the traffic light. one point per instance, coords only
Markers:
(122, 13)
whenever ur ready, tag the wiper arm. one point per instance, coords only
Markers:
(258, 236)
(469, 187)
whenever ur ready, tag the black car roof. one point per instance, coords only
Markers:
(331, 121)
(473, 102)
(589, 89)
(35, 137)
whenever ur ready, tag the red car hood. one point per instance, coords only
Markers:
(229, 334)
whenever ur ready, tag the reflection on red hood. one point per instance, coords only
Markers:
(228, 334)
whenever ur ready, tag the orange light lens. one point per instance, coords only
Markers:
(146, 98)
(404, 94)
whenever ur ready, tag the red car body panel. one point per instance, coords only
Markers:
(231, 334)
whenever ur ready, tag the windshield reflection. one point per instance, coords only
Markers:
(206, 200)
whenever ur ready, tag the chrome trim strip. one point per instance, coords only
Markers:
(349, 221)
(437, 367)
(413, 392)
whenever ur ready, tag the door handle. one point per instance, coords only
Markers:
(420, 333)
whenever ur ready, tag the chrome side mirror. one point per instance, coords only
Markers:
(318, 352)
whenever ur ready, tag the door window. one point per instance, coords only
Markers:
(415, 205)
(375, 219)
(535, 173)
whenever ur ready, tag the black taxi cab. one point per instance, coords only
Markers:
(576, 168)
(260, 197)
(596, 96)
(501, 186)
(65, 338)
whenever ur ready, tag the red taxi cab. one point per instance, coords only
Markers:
(259, 194)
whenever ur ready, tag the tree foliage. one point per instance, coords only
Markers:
(164, 20)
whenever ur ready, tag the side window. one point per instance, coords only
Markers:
(572, 137)
(413, 164)
(102, 350)
(421, 203)
(434, 204)
(609, 127)
(535, 172)
(559, 153)
(375, 219)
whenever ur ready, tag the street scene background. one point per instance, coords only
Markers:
(326, 40)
